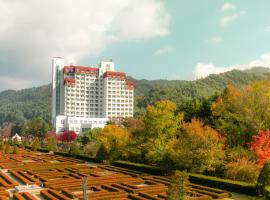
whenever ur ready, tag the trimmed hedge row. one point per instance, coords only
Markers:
(80, 157)
(225, 184)
(140, 167)
(267, 193)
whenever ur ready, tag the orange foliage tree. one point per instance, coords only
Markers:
(198, 148)
(261, 146)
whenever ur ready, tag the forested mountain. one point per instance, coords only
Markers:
(22, 105)
(18, 106)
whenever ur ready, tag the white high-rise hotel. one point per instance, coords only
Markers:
(88, 97)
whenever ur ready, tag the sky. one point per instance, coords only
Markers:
(147, 39)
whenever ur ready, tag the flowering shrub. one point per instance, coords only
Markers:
(261, 146)
(68, 136)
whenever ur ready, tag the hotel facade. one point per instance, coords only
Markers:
(85, 97)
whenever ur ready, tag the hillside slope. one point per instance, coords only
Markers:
(18, 106)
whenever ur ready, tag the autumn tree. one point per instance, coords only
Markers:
(113, 140)
(68, 136)
(6, 131)
(241, 112)
(36, 127)
(261, 146)
(198, 148)
(162, 123)
(134, 124)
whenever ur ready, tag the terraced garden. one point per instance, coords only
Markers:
(31, 176)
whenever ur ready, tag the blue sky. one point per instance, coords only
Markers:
(148, 39)
(198, 33)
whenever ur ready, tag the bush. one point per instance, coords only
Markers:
(91, 149)
(35, 144)
(264, 177)
(15, 150)
(74, 148)
(179, 182)
(1, 145)
(243, 170)
(7, 148)
(52, 144)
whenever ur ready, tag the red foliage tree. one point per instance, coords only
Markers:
(68, 136)
(261, 146)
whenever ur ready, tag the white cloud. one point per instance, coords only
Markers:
(204, 69)
(214, 40)
(225, 20)
(164, 50)
(16, 83)
(34, 31)
(228, 6)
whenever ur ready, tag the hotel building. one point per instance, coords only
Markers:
(85, 97)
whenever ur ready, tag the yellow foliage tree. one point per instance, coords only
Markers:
(241, 112)
(162, 124)
(113, 139)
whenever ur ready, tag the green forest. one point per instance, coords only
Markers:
(19, 106)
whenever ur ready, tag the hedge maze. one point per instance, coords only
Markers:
(60, 178)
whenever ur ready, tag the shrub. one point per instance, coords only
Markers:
(264, 177)
(52, 144)
(35, 144)
(1, 145)
(91, 149)
(68, 136)
(74, 148)
(176, 190)
(25, 143)
(7, 148)
(15, 150)
(243, 170)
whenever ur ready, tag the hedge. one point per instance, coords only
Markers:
(267, 193)
(225, 184)
(140, 167)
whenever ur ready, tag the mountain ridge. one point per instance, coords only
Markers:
(21, 105)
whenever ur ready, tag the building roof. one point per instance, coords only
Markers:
(110, 74)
